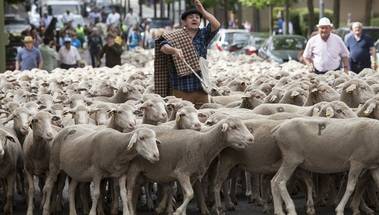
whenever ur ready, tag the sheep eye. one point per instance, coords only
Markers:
(258, 97)
(119, 112)
(142, 138)
(234, 127)
(150, 105)
(339, 111)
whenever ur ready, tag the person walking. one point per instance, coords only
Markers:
(95, 44)
(325, 51)
(49, 55)
(28, 57)
(171, 74)
(69, 55)
(113, 19)
(134, 39)
(362, 49)
(112, 52)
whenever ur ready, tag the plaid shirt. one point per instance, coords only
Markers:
(190, 83)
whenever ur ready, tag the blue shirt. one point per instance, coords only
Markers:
(191, 83)
(359, 49)
(28, 59)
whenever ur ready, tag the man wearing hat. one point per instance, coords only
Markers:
(172, 75)
(325, 51)
(68, 55)
(28, 57)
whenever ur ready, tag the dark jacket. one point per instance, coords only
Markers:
(112, 55)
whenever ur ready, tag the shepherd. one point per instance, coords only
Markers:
(177, 56)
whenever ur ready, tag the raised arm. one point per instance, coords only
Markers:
(215, 24)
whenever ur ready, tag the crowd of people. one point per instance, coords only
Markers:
(47, 47)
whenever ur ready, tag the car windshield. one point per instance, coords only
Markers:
(288, 43)
(61, 9)
(372, 32)
(237, 38)
(16, 21)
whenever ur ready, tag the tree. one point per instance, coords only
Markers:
(336, 10)
(368, 12)
(311, 16)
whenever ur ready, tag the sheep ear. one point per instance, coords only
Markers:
(10, 117)
(351, 88)
(294, 93)
(132, 141)
(225, 127)
(125, 89)
(370, 109)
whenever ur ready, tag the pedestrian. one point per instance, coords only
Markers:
(75, 41)
(28, 57)
(130, 21)
(95, 44)
(325, 51)
(171, 74)
(67, 18)
(49, 55)
(68, 55)
(134, 39)
(80, 34)
(112, 52)
(93, 15)
(362, 49)
(113, 18)
(46, 19)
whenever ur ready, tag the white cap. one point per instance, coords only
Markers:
(324, 21)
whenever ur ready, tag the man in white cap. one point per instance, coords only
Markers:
(325, 50)
(68, 55)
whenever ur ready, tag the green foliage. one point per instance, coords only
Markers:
(261, 3)
(299, 18)
(375, 21)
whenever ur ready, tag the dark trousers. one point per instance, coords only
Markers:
(323, 72)
(357, 67)
(68, 66)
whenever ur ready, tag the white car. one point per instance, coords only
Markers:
(59, 8)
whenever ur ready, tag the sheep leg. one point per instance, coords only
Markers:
(8, 207)
(249, 191)
(130, 189)
(95, 195)
(71, 190)
(164, 201)
(233, 188)
(30, 193)
(48, 189)
(84, 193)
(200, 197)
(307, 179)
(285, 172)
(375, 176)
(354, 172)
(228, 201)
(186, 186)
(122, 184)
(357, 196)
(58, 191)
(255, 191)
(116, 191)
(149, 197)
(103, 193)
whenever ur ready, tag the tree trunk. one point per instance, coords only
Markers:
(311, 16)
(287, 11)
(173, 12)
(180, 7)
(368, 12)
(239, 14)
(168, 10)
(140, 8)
(337, 8)
(226, 14)
(270, 18)
(155, 8)
(162, 8)
(256, 20)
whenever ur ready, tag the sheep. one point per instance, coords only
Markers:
(99, 113)
(10, 159)
(79, 114)
(321, 92)
(296, 96)
(224, 100)
(122, 118)
(237, 85)
(102, 88)
(356, 92)
(192, 156)
(154, 111)
(310, 147)
(100, 153)
(336, 109)
(36, 150)
(250, 100)
(125, 93)
(369, 108)
(186, 118)
(21, 118)
(268, 109)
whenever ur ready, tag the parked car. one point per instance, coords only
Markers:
(14, 24)
(234, 40)
(372, 31)
(59, 8)
(282, 48)
(259, 38)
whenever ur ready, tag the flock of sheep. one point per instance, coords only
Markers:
(103, 135)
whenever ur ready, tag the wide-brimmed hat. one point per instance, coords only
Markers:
(190, 12)
(28, 39)
(324, 21)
